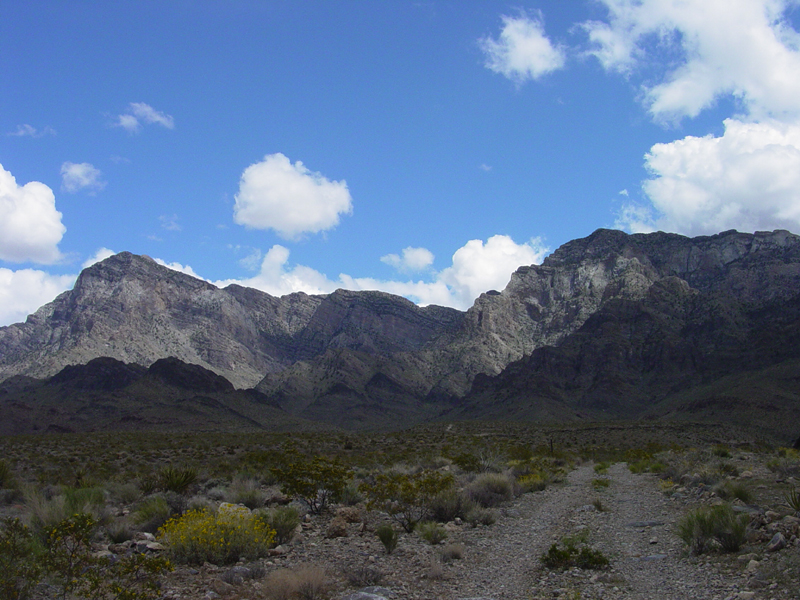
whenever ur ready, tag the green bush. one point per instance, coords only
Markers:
(533, 482)
(284, 520)
(491, 489)
(449, 505)
(600, 483)
(571, 556)
(735, 490)
(792, 498)
(318, 481)
(152, 513)
(6, 475)
(388, 537)
(70, 562)
(176, 479)
(713, 528)
(431, 532)
(247, 491)
(602, 468)
(19, 566)
(408, 499)
(481, 516)
(200, 536)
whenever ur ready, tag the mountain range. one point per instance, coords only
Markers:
(609, 327)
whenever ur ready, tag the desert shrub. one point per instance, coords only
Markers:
(19, 565)
(312, 583)
(388, 537)
(730, 490)
(203, 536)
(431, 532)
(570, 555)
(598, 504)
(727, 470)
(119, 531)
(449, 505)
(305, 583)
(713, 527)
(452, 552)
(318, 481)
(350, 496)
(602, 468)
(406, 498)
(721, 450)
(86, 500)
(152, 513)
(600, 483)
(481, 516)
(467, 462)
(491, 489)
(45, 512)
(69, 551)
(176, 479)
(6, 475)
(71, 564)
(787, 464)
(363, 576)
(792, 499)
(247, 491)
(283, 520)
(533, 482)
(126, 493)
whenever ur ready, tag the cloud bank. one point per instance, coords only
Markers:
(476, 267)
(749, 177)
(289, 199)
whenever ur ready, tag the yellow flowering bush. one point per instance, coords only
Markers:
(220, 538)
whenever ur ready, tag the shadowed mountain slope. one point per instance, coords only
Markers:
(108, 395)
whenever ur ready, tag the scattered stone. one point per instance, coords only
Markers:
(778, 542)
(337, 528)
(646, 524)
(351, 514)
(752, 566)
(221, 588)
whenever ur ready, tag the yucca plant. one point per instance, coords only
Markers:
(793, 500)
(176, 479)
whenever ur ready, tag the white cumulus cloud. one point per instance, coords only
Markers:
(412, 259)
(288, 198)
(746, 179)
(138, 113)
(30, 225)
(176, 266)
(101, 254)
(22, 292)
(476, 267)
(744, 48)
(522, 51)
(81, 176)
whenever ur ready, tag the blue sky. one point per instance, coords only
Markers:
(423, 148)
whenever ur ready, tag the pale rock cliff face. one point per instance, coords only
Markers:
(542, 305)
(378, 358)
(132, 309)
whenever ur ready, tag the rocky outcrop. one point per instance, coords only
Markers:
(715, 334)
(609, 326)
(130, 308)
